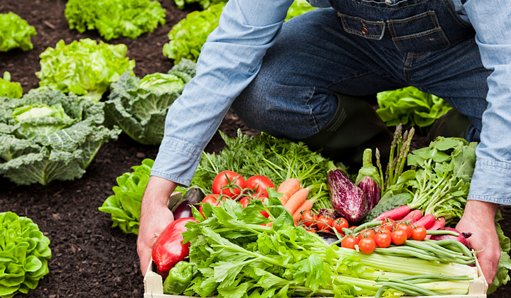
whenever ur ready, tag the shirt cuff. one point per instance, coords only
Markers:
(491, 182)
(177, 160)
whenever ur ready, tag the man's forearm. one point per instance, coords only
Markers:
(157, 193)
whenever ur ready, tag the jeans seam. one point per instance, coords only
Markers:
(455, 15)
(311, 112)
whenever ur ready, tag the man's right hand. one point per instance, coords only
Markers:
(154, 217)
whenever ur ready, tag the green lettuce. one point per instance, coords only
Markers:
(115, 18)
(15, 32)
(24, 255)
(124, 205)
(203, 3)
(298, 7)
(139, 106)
(84, 67)
(46, 136)
(410, 106)
(8, 88)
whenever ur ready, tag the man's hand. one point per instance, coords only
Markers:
(479, 219)
(154, 217)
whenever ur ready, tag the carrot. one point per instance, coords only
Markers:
(296, 200)
(306, 206)
(287, 188)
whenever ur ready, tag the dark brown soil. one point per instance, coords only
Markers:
(90, 259)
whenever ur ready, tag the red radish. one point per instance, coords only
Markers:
(413, 216)
(395, 214)
(439, 224)
(427, 221)
(462, 238)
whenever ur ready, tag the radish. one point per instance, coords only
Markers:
(462, 237)
(439, 224)
(395, 214)
(413, 216)
(427, 221)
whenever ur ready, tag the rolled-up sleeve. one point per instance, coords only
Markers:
(492, 177)
(229, 60)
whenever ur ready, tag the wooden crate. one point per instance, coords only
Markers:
(153, 287)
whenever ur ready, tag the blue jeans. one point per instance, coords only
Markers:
(358, 49)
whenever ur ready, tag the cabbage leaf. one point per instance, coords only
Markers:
(15, 32)
(115, 18)
(8, 88)
(24, 255)
(84, 67)
(46, 136)
(139, 106)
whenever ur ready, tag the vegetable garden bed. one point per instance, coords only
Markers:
(90, 259)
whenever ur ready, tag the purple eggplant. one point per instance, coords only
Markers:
(181, 206)
(368, 179)
(347, 199)
(371, 191)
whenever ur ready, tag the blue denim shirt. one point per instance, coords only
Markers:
(232, 56)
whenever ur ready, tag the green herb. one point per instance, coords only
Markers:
(10, 89)
(115, 18)
(410, 106)
(24, 255)
(15, 32)
(84, 67)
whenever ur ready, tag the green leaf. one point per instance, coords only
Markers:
(15, 32)
(9, 89)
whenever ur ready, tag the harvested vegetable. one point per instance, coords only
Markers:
(10, 89)
(347, 199)
(179, 278)
(15, 32)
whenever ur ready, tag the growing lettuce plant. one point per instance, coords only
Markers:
(8, 88)
(46, 136)
(203, 3)
(84, 67)
(24, 255)
(139, 106)
(15, 32)
(115, 18)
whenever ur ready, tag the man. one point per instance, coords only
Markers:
(304, 81)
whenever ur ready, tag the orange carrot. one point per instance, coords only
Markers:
(306, 206)
(296, 200)
(287, 188)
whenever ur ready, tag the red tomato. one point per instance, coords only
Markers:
(212, 199)
(383, 239)
(324, 223)
(366, 245)
(340, 223)
(366, 234)
(349, 242)
(399, 237)
(258, 184)
(308, 219)
(407, 228)
(228, 183)
(244, 202)
(419, 233)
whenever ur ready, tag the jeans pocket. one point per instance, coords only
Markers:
(364, 28)
(418, 33)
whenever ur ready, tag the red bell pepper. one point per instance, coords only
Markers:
(169, 248)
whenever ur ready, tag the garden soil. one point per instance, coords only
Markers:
(91, 259)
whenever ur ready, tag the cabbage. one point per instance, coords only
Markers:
(139, 106)
(8, 88)
(46, 136)
(15, 32)
(84, 67)
(115, 18)
(24, 255)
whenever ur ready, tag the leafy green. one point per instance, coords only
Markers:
(410, 106)
(298, 7)
(203, 3)
(124, 205)
(24, 255)
(15, 32)
(278, 159)
(84, 67)
(189, 35)
(236, 254)
(115, 18)
(46, 136)
(8, 88)
(139, 106)
(443, 171)
(502, 276)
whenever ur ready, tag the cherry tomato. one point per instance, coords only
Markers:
(324, 223)
(308, 219)
(349, 242)
(367, 245)
(366, 234)
(399, 237)
(419, 233)
(212, 199)
(340, 223)
(258, 184)
(407, 228)
(384, 231)
(228, 183)
(244, 202)
(383, 239)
